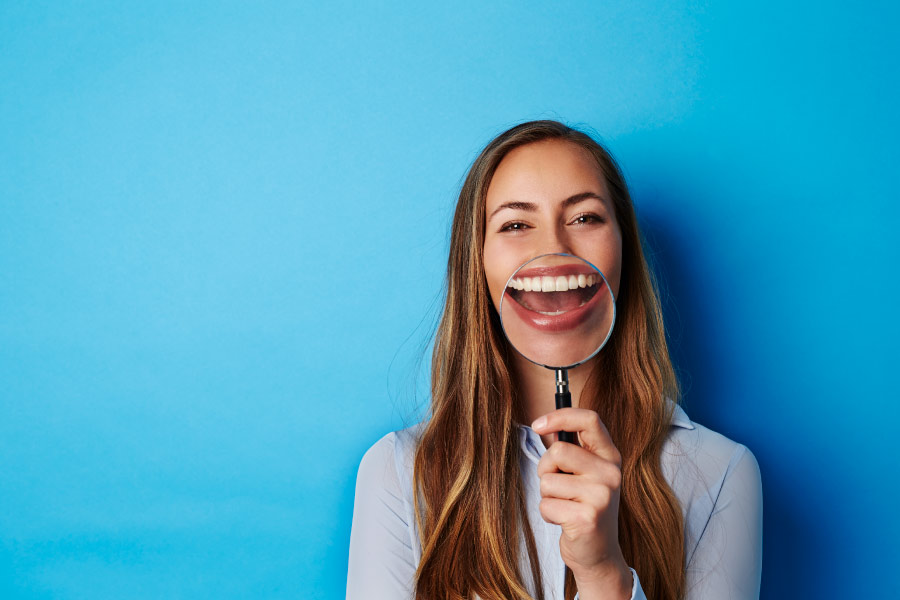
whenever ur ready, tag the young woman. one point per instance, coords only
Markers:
(480, 501)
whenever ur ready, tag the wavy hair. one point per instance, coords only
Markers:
(470, 501)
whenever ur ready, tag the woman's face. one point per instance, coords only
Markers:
(549, 196)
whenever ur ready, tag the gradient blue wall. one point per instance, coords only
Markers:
(223, 228)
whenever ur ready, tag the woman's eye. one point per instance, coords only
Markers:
(587, 219)
(514, 226)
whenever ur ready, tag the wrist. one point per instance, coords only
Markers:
(609, 580)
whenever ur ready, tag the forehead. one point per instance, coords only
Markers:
(546, 171)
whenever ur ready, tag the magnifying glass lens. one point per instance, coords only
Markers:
(557, 310)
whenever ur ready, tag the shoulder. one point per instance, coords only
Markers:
(708, 472)
(388, 462)
(378, 461)
(696, 458)
(691, 445)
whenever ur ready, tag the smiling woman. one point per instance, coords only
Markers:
(474, 501)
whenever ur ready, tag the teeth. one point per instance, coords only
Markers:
(561, 283)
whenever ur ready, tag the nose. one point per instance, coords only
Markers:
(555, 240)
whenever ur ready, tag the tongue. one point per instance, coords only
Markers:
(549, 302)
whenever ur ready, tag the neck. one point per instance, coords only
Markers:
(537, 387)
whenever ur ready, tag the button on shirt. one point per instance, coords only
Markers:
(717, 483)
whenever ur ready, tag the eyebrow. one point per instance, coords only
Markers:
(531, 207)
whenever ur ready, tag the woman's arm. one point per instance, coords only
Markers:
(381, 561)
(727, 560)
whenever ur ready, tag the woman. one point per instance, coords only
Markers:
(474, 502)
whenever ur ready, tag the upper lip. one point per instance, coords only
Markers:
(555, 271)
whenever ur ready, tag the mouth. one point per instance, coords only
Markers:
(555, 298)
(552, 296)
(553, 291)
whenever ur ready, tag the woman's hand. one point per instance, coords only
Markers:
(580, 492)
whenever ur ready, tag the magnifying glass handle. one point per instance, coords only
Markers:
(564, 400)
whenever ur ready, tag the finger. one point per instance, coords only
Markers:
(568, 514)
(560, 485)
(591, 430)
(570, 487)
(575, 460)
(568, 458)
(557, 511)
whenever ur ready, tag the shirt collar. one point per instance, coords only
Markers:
(680, 418)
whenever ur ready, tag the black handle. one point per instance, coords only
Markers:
(564, 400)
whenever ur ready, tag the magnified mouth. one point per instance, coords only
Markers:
(553, 291)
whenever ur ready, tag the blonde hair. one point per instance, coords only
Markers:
(470, 501)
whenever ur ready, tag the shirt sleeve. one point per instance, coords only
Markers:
(381, 562)
(637, 592)
(727, 560)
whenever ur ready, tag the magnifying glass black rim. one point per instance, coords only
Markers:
(608, 333)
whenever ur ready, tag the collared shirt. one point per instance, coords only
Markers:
(717, 483)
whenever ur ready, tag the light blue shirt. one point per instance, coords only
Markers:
(717, 482)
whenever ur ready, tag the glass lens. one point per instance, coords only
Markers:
(557, 310)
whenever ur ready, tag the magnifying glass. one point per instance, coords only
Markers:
(558, 311)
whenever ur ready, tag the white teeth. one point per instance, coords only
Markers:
(546, 283)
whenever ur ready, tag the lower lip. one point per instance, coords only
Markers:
(563, 321)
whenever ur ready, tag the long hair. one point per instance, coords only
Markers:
(470, 502)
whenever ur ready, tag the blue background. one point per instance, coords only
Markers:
(223, 231)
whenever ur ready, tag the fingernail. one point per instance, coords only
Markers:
(539, 423)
